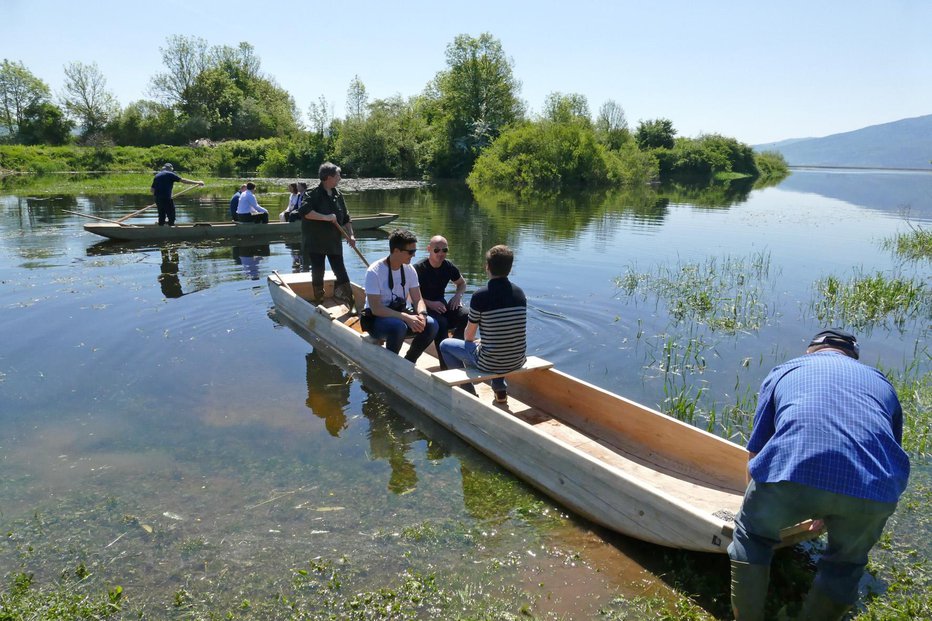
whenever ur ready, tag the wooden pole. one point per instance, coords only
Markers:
(282, 281)
(87, 215)
(343, 231)
(136, 213)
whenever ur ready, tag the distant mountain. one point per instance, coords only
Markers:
(901, 144)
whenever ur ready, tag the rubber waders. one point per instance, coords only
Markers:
(820, 607)
(749, 590)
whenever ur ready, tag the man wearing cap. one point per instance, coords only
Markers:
(162, 186)
(826, 445)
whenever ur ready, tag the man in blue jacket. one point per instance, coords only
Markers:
(162, 186)
(826, 445)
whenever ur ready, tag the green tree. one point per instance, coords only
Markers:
(44, 123)
(145, 123)
(20, 91)
(320, 115)
(611, 125)
(566, 107)
(184, 58)
(655, 134)
(87, 99)
(470, 103)
(357, 100)
(389, 141)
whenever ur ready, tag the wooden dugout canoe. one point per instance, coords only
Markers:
(219, 230)
(622, 465)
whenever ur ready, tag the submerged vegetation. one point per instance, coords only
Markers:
(868, 300)
(725, 294)
(916, 245)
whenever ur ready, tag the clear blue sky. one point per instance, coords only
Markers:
(759, 72)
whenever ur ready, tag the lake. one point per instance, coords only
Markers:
(160, 427)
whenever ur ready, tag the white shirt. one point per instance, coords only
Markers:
(377, 282)
(248, 204)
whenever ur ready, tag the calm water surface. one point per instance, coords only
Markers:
(159, 425)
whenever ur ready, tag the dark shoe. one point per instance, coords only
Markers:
(501, 396)
(318, 294)
(343, 293)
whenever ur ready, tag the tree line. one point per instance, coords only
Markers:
(469, 121)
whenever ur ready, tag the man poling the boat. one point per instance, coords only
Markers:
(826, 445)
(162, 185)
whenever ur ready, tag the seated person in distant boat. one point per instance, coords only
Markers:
(294, 201)
(434, 273)
(292, 214)
(390, 282)
(498, 313)
(234, 202)
(248, 209)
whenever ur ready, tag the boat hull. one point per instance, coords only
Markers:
(690, 506)
(219, 230)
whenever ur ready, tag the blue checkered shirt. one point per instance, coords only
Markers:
(828, 421)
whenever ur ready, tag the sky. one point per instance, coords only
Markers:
(758, 72)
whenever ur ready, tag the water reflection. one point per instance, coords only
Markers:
(250, 257)
(328, 391)
(168, 279)
(390, 438)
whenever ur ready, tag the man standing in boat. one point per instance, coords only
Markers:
(390, 283)
(324, 223)
(826, 445)
(434, 273)
(498, 313)
(162, 185)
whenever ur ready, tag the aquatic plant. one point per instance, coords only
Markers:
(866, 301)
(915, 245)
(725, 294)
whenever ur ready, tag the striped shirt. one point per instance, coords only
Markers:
(828, 421)
(500, 309)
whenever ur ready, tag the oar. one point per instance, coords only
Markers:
(343, 231)
(136, 213)
(87, 215)
(282, 281)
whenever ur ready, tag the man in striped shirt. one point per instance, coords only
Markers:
(827, 445)
(498, 313)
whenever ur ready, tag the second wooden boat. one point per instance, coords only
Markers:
(219, 230)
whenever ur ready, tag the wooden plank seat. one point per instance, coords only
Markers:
(456, 377)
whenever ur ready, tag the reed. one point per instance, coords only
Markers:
(914, 245)
(869, 300)
(725, 294)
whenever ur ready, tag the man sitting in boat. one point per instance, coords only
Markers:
(497, 312)
(390, 283)
(248, 209)
(434, 273)
(234, 202)
(826, 444)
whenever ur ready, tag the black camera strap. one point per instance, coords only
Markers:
(391, 281)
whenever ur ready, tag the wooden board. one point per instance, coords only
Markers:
(457, 377)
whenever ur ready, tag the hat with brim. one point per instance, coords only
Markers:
(838, 339)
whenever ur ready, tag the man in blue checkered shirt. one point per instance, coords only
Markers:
(826, 445)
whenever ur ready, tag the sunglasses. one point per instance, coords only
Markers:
(411, 251)
(439, 250)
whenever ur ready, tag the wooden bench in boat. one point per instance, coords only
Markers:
(456, 377)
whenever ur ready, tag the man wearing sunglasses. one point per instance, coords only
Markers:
(435, 273)
(390, 283)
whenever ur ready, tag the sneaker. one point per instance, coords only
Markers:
(501, 396)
